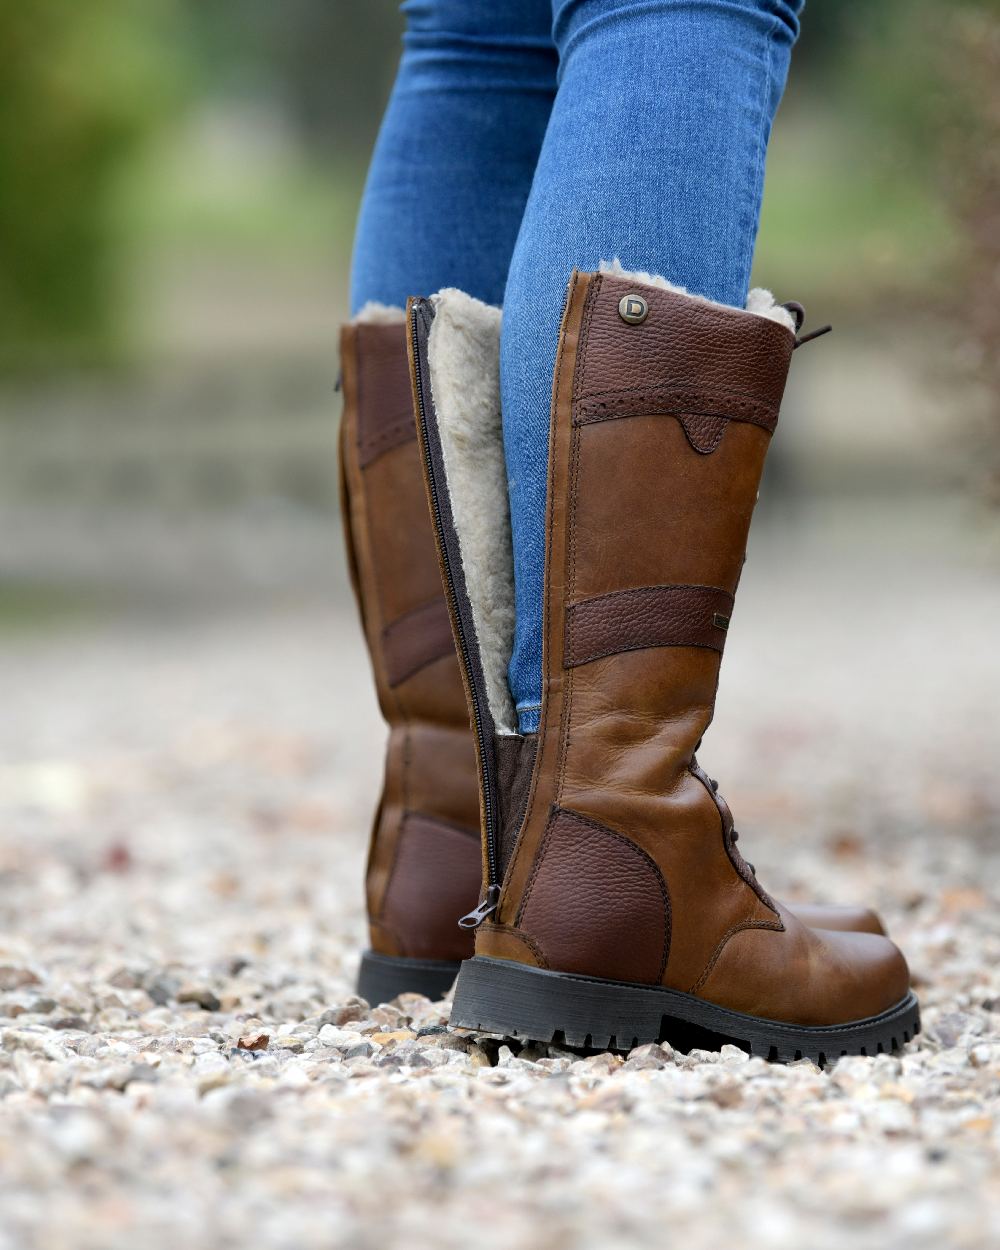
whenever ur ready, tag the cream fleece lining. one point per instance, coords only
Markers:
(463, 355)
(375, 314)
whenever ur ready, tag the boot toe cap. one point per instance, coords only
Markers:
(840, 918)
(807, 976)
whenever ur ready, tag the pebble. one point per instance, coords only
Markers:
(14, 978)
(200, 994)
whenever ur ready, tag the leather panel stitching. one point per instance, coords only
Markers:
(774, 926)
(643, 856)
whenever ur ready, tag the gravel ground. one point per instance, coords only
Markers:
(182, 1062)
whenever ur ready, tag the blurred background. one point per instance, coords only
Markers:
(180, 182)
(179, 185)
(190, 749)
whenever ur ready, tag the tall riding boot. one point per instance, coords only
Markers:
(424, 861)
(617, 908)
(431, 780)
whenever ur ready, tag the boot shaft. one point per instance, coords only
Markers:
(659, 432)
(658, 436)
(617, 904)
(424, 860)
(390, 547)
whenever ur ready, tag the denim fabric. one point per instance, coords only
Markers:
(456, 151)
(653, 151)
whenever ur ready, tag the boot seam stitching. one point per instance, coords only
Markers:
(546, 709)
(569, 591)
(524, 937)
(777, 927)
(643, 855)
(364, 503)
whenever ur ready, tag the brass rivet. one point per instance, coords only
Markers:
(633, 309)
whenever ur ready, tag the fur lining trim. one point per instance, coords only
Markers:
(463, 356)
(759, 302)
(375, 314)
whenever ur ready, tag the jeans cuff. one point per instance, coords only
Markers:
(528, 717)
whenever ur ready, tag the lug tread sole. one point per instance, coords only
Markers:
(533, 1004)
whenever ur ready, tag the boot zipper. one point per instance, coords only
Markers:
(491, 898)
(485, 909)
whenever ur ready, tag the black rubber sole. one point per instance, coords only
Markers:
(498, 996)
(382, 978)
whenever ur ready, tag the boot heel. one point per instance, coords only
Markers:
(500, 996)
(382, 978)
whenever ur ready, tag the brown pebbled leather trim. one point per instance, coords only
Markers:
(650, 616)
(687, 372)
(417, 639)
(435, 871)
(384, 401)
(704, 433)
(686, 404)
(597, 903)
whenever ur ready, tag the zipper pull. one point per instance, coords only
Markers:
(486, 908)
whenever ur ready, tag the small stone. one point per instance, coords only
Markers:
(121, 1076)
(253, 1041)
(397, 1035)
(646, 1058)
(211, 1071)
(404, 1056)
(69, 1022)
(330, 1035)
(126, 979)
(199, 994)
(985, 1055)
(390, 1016)
(162, 990)
(15, 978)
(726, 1093)
(294, 1044)
(39, 1042)
(597, 1065)
(951, 1027)
(345, 1013)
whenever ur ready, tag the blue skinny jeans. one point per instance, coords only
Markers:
(524, 138)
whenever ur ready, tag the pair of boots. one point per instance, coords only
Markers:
(615, 906)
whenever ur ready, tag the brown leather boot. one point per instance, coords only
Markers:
(617, 908)
(424, 862)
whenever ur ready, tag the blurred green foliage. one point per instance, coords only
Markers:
(937, 100)
(240, 129)
(81, 88)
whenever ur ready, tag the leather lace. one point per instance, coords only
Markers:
(734, 834)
